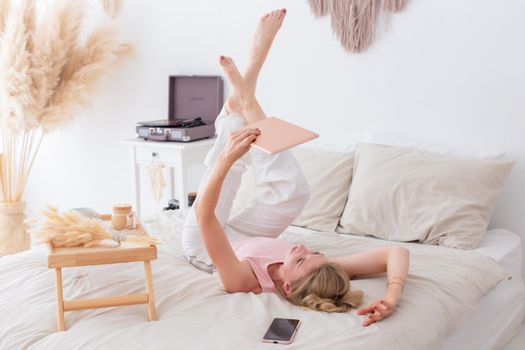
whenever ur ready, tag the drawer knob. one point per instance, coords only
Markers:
(154, 154)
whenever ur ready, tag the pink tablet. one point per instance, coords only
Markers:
(278, 135)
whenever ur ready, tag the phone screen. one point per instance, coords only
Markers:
(281, 329)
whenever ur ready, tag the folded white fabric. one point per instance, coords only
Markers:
(404, 194)
(232, 122)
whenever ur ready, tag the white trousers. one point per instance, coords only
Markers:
(280, 179)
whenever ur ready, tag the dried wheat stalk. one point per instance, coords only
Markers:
(70, 229)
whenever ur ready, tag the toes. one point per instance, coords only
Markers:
(276, 14)
(225, 61)
(228, 64)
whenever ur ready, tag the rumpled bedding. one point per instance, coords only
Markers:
(195, 312)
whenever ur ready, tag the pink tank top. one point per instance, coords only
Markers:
(261, 252)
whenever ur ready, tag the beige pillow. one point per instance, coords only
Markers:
(328, 173)
(403, 194)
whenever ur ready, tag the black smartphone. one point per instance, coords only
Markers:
(281, 331)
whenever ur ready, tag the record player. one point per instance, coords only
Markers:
(195, 101)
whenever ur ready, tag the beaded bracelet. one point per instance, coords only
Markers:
(396, 280)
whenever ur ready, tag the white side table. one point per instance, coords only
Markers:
(177, 156)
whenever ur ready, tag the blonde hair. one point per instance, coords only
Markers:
(325, 289)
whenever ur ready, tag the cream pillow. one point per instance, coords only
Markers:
(403, 194)
(386, 139)
(328, 173)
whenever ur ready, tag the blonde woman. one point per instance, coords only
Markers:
(244, 249)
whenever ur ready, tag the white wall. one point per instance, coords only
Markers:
(448, 72)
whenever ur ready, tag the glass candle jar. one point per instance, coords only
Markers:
(122, 217)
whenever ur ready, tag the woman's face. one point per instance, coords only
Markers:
(298, 263)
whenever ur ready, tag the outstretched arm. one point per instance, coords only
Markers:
(393, 260)
(219, 249)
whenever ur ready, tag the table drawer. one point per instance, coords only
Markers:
(156, 154)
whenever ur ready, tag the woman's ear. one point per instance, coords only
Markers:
(287, 288)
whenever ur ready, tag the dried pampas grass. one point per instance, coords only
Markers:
(2, 177)
(101, 53)
(55, 42)
(46, 75)
(16, 90)
(112, 7)
(4, 8)
(354, 22)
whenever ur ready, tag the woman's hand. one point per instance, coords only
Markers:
(377, 311)
(239, 144)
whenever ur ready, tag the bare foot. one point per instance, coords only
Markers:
(236, 99)
(266, 30)
(241, 99)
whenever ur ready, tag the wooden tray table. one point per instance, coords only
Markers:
(59, 258)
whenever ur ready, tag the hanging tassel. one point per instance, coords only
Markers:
(340, 20)
(319, 7)
(157, 182)
(363, 15)
(394, 5)
(354, 22)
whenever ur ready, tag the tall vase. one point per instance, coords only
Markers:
(13, 230)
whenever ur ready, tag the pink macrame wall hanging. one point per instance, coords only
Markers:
(354, 22)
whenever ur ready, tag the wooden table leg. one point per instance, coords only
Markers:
(60, 301)
(152, 312)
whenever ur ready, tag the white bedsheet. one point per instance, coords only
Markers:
(501, 311)
(195, 313)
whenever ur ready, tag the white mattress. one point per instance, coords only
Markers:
(195, 312)
(500, 313)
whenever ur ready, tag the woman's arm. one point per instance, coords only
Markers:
(231, 271)
(394, 261)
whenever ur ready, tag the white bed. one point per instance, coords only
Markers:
(449, 301)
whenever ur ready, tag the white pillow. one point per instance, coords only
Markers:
(386, 139)
(328, 174)
(405, 194)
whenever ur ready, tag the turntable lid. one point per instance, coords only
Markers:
(192, 96)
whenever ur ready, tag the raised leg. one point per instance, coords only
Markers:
(267, 28)
(60, 300)
(285, 190)
(152, 311)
